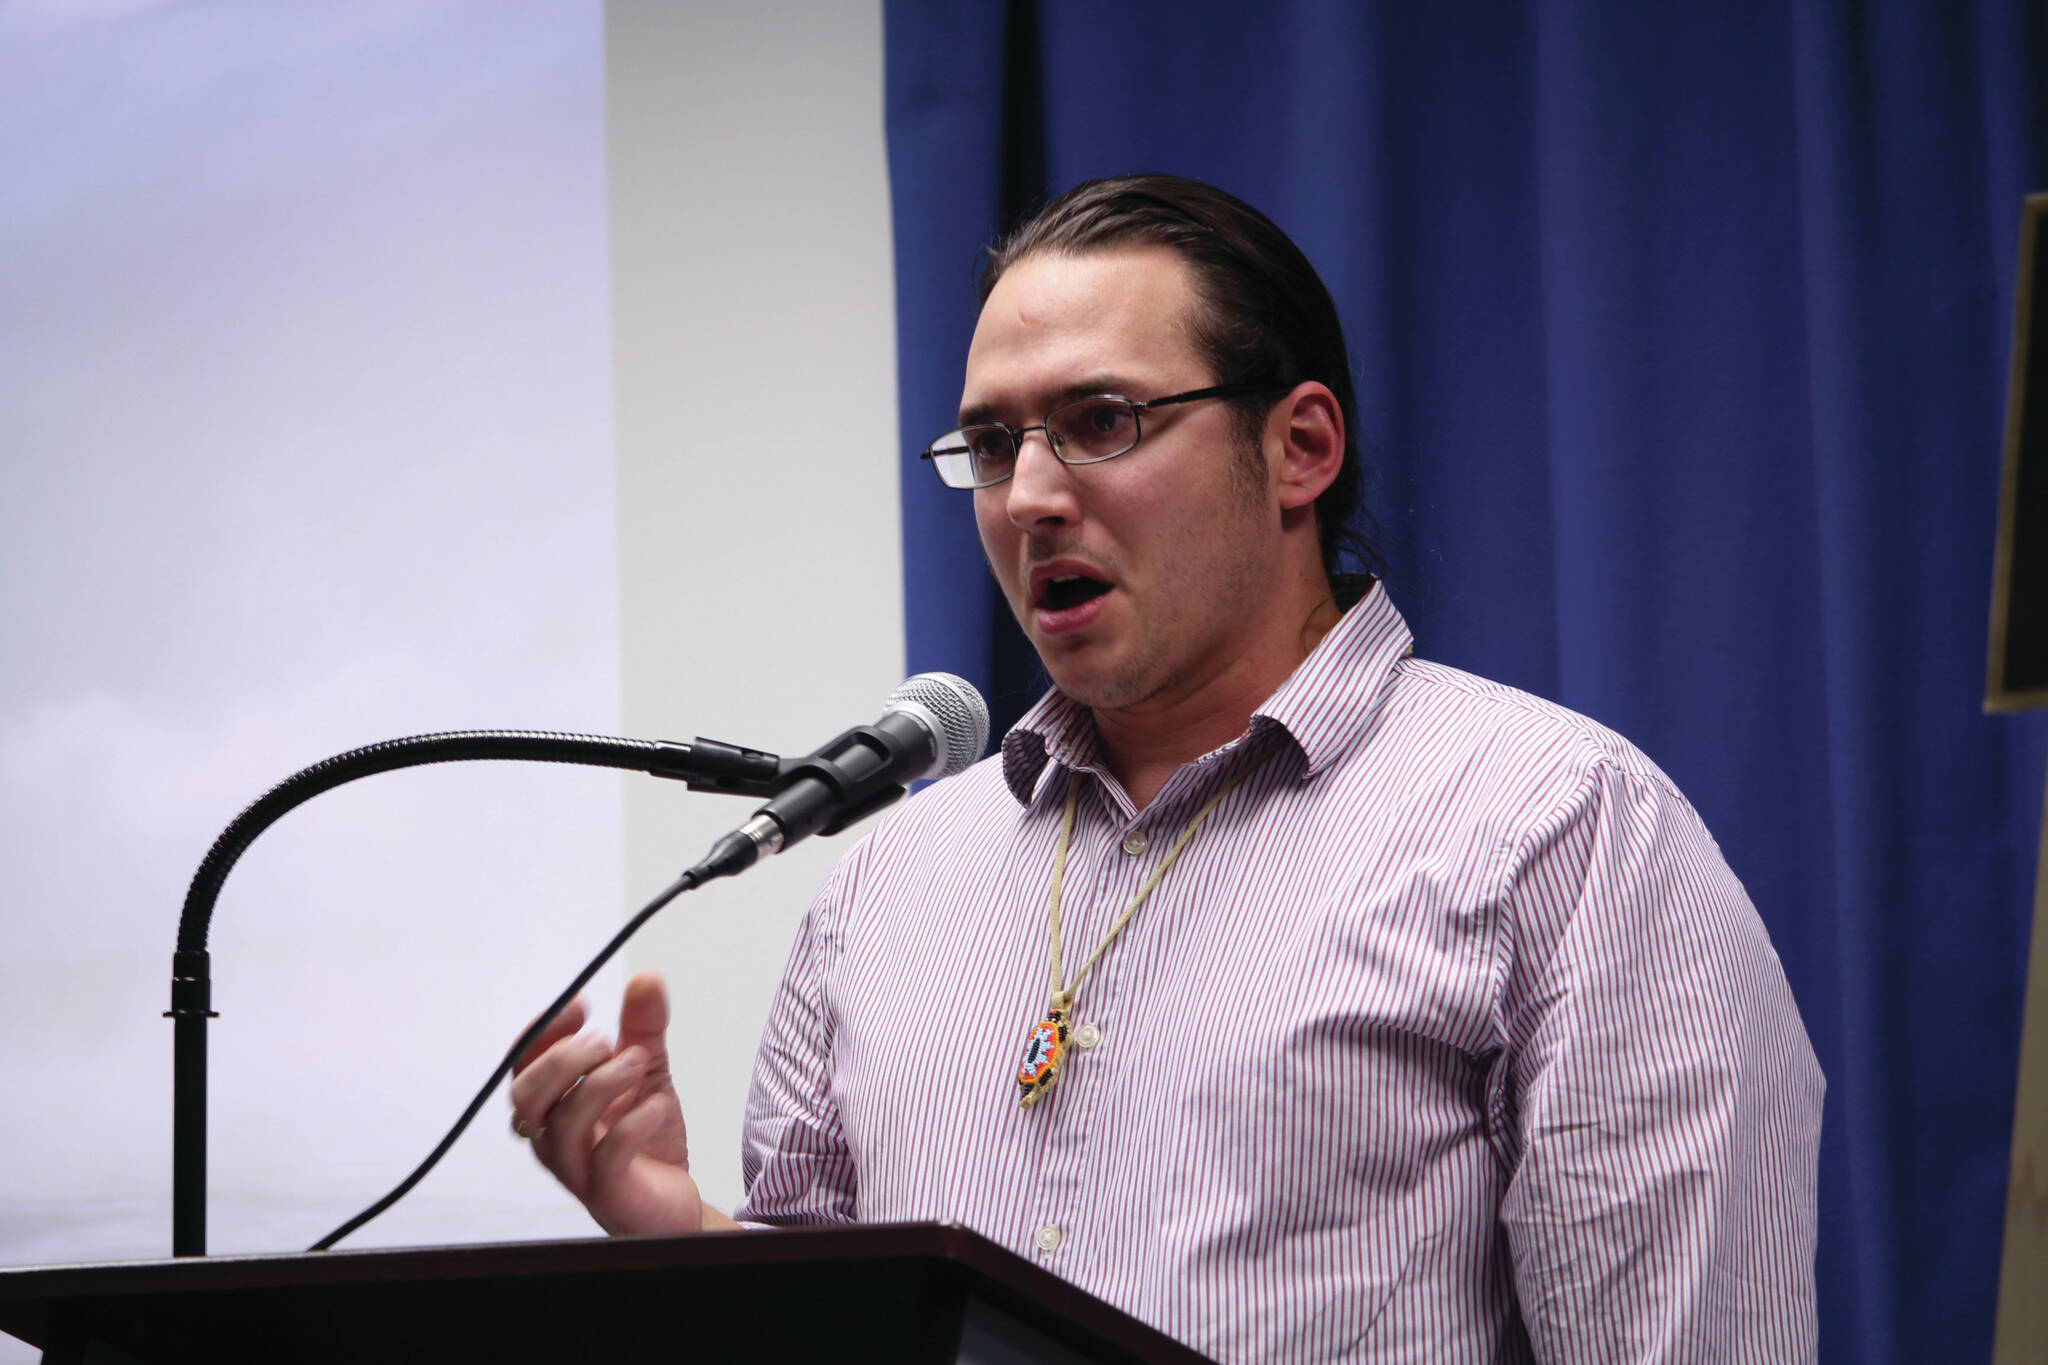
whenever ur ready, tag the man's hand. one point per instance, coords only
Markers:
(613, 1128)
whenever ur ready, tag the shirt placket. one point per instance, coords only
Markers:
(1111, 866)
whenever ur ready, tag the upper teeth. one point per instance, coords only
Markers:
(1068, 578)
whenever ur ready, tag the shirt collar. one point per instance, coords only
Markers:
(1323, 707)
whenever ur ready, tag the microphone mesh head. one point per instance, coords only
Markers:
(960, 713)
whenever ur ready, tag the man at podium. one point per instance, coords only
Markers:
(1299, 996)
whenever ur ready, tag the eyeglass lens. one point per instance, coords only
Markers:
(1081, 433)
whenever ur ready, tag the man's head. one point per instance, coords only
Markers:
(1182, 575)
(1264, 312)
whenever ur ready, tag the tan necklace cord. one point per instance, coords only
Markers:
(1046, 1047)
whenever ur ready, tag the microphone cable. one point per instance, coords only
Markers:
(689, 881)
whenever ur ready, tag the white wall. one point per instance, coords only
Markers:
(754, 350)
(342, 397)
(305, 441)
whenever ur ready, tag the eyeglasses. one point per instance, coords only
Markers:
(1086, 431)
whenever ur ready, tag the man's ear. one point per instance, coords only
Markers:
(1307, 426)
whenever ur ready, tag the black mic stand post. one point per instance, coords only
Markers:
(705, 765)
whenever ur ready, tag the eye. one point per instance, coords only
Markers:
(988, 445)
(1101, 427)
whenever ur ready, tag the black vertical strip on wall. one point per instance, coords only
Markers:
(2025, 667)
(1014, 669)
(1023, 113)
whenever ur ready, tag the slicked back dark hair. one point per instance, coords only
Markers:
(1263, 311)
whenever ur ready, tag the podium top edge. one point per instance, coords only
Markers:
(456, 1260)
(949, 1249)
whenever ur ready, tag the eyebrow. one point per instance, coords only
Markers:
(1095, 386)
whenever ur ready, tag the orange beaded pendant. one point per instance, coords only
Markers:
(1044, 1050)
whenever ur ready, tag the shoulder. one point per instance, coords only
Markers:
(1469, 729)
(1477, 711)
(1594, 853)
(1457, 769)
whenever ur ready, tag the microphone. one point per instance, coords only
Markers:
(934, 725)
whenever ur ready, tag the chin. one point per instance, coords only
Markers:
(1092, 673)
(1107, 688)
(1091, 694)
(1087, 686)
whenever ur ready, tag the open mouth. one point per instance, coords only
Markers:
(1069, 590)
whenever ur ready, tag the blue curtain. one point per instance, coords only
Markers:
(1681, 338)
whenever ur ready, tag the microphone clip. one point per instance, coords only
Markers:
(711, 765)
(854, 777)
(846, 768)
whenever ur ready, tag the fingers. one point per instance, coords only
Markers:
(560, 1027)
(577, 1123)
(601, 1107)
(538, 1089)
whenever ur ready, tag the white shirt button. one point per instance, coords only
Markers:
(1048, 1238)
(1087, 1036)
(1134, 842)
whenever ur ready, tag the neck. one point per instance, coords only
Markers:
(1148, 742)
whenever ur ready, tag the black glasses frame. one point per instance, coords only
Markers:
(1053, 440)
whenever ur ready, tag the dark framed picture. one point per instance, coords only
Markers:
(2017, 678)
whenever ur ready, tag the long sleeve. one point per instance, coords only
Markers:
(1659, 1101)
(793, 1151)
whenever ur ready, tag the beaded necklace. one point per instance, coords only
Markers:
(1045, 1047)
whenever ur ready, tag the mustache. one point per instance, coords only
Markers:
(1043, 550)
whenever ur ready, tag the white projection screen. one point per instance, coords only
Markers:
(354, 384)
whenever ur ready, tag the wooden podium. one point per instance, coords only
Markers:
(910, 1292)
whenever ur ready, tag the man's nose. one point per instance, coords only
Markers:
(1040, 488)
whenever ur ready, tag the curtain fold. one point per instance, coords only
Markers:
(1680, 339)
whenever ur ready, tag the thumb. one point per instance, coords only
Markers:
(643, 1019)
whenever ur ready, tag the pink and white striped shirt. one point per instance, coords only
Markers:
(1450, 1037)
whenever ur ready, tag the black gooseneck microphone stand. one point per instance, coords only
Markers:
(705, 765)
